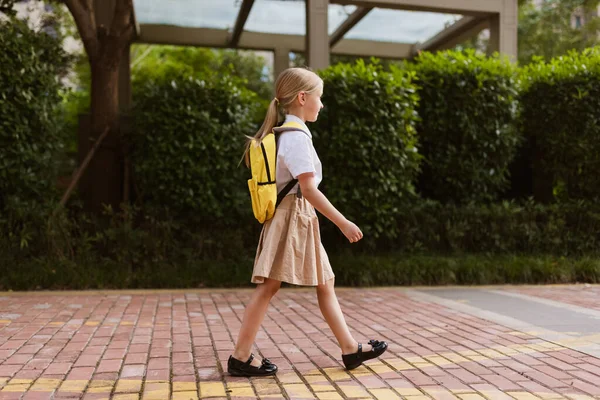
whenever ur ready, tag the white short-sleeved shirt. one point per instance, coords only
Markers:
(296, 155)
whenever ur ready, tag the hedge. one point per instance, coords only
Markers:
(561, 120)
(351, 270)
(189, 140)
(30, 129)
(467, 133)
(365, 137)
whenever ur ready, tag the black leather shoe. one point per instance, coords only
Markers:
(354, 360)
(236, 367)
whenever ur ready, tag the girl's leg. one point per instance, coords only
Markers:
(253, 317)
(331, 310)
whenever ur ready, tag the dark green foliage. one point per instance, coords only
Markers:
(467, 134)
(567, 229)
(187, 147)
(366, 140)
(351, 270)
(30, 128)
(402, 269)
(561, 118)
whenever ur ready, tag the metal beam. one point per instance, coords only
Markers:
(464, 7)
(371, 48)
(281, 61)
(217, 38)
(240, 22)
(348, 24)
(456, 33)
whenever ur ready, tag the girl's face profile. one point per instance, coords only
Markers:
(312, 105)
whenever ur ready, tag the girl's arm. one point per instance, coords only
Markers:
(323, 205)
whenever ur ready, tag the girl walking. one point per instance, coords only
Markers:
(290, 249)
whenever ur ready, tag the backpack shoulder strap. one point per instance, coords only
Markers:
(285, 191)
(288, 127)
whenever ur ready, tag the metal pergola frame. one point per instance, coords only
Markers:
(499, 16)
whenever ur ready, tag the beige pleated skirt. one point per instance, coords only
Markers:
(290, 249)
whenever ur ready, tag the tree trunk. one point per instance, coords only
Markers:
(106, 29)
(104, 179)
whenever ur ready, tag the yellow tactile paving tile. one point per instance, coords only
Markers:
(523, 395)
(126, 397)
(272, 396)
(329, 396)
(379, 368)
(185, 395)
(212, 389)
(337, 374)
(241, 391)
(471, 396)
(266, 387)
(75, 385)
(580, 397)
(384, 394)
(184, 387)
(15, 388)
(418, 397)
(100, 386)
(156, 391)
(408, 391)
(128, 386)
(353, 391)
(45, 385)
(399, 364)
(298, 391)
(319, 383)
(361, 371)
(290, 377)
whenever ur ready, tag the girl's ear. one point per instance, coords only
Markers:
(302, 98)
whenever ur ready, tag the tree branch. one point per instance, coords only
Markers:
(80, 170)
(84, 17)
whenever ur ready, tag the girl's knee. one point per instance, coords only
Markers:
(269, 287)
(327, 287)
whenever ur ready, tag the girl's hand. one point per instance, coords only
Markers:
(351, 231)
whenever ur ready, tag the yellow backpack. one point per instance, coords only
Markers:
(262, 185)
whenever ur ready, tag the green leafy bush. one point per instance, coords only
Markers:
(567, 229)
(403, 269)
(187, 147)
(30, 128)
(366, 140)
(467, 131)
(561, 120)
(31, 136)
(351, 270)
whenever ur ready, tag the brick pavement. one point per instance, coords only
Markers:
(174, 345)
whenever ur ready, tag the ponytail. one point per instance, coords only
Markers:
(289, 84)
(267, 126)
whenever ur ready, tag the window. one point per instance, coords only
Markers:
(577, 21)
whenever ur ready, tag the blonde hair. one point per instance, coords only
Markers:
(289, 84)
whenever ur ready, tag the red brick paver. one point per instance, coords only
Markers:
(175, 345)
